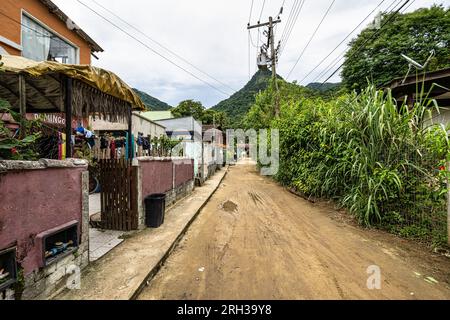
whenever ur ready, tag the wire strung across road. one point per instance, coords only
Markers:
(153, 50)
(341, 56)
(288, 21)
(162, 46)
(392, 17)
(312, 37)
(262, 10)
(296, 10)
(343, 40)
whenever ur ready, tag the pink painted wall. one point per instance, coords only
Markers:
(184, 172)
(34, 201)
(156, 177)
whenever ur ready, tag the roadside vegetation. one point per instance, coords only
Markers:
(415, 34)
(385, 163)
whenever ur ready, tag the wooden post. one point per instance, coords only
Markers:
(68, 114)
(271, 43)
(274, 66)
(130, 137)
(22, 104)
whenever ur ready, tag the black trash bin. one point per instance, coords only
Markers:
(155, 208)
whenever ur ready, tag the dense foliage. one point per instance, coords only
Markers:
(152, 103)
(197, 110)
(383, 162)
(18, 145)
(414, 34)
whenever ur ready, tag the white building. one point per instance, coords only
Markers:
(188, 131)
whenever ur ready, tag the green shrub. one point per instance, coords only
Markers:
(381, 161)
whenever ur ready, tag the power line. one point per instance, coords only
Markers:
(28, 27)
(365, 42)
(340, 43)
(342, 54)
(153, 50)
(162, 46)
(262, 10)
(251, 11)
(312, 37)
(288, 22)
(294, 22)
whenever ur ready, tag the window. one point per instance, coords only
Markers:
(40, 44)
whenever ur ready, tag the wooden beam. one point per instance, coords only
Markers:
(68, 114)
(44, 96)
(16, 94)
(22, 96)
(22, 104)
(259, 25)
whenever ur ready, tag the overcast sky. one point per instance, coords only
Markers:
(212, 35)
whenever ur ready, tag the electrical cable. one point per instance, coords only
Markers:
(365, 42)
(312, 37)
(341, 56)
(297, 14)
(343, 40)
(153, 50)
(162, 46)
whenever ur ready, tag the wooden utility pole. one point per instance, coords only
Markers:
(273, 55)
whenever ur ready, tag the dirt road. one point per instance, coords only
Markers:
(255, 240)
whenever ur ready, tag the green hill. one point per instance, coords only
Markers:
(317, 86)
(152, 103)
(237, 106)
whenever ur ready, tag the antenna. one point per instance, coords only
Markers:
(412, 62)
(418, 66)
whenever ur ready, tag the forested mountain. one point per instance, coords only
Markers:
(237, 106)
(152, 103)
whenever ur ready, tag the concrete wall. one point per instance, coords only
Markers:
(174, 177)
(157, 176)
(37, 197)
(12, 31)
(184, 171)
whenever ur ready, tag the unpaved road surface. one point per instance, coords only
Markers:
(255, 240)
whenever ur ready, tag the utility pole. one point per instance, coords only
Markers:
(273, 55)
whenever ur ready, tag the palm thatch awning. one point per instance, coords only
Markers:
(95, 92)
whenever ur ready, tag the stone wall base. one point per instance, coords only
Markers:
(49, 281)
(45, 283)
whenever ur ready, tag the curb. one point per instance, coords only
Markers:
(174, 245)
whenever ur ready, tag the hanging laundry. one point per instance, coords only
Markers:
(112, 147)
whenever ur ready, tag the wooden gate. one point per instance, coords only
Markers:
(117, 179)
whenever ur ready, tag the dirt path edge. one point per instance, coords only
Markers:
(154, 271)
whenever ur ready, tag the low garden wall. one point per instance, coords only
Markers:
(39, 199)
(171, 176)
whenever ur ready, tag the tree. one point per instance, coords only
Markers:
(415, 34)
(215, 117)
(189, 108)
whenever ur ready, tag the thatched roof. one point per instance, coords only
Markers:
(95, 91)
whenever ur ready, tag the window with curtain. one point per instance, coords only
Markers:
(40, 44)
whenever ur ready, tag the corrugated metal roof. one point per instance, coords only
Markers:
(157, 115)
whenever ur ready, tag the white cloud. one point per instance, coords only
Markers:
(212, 35)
